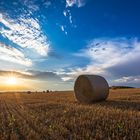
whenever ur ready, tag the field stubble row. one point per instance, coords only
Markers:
(59, 116)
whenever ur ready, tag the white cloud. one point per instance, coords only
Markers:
(10, 54)
(78, 3)
(66, 78)
(124, 79)
(25, 32)
(63, 29)
(114, 59)
(133, 80)
(106, 53)
(70, 18)
(68, 15)
(65, 13)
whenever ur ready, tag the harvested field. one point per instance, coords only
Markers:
(58, 116)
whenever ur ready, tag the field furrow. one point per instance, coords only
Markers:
(39, 116)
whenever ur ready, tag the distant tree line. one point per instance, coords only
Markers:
(44, 91)
(120, 87)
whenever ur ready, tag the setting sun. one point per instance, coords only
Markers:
(11, 80)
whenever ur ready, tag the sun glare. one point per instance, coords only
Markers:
(11, 80)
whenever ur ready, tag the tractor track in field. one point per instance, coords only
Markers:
(4, 117)
(14, 127)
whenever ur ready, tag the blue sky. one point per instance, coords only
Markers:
(48, 43)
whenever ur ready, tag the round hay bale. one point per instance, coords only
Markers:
(91, 88)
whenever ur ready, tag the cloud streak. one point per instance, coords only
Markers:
(63, 29)
(30, 5)
(25, 32)
(78, 3)
(33, 75)
(10, 54)
(67, 12)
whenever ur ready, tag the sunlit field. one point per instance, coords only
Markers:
(58, 116)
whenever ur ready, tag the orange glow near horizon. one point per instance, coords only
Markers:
(12, 82)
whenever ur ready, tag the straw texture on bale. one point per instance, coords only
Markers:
(91, 88)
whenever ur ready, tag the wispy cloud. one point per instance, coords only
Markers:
(67, 11)
(33, 75)
(63, 29)
(30, 4)
(47, 4)
(106, 53)
(128, 79)
(34, 6)
(10, 54)
(25, 32)
(78, 3)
